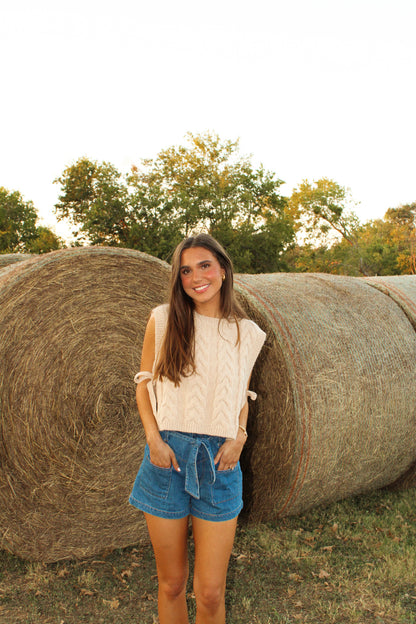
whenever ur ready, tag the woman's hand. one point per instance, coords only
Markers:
(162, 455)
(229, 453)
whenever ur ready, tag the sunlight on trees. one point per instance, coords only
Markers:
(18, 230)
(206, 185)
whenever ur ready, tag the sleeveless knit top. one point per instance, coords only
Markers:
(210, 400)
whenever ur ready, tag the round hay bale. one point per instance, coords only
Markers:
(71, 329)
(402, 290)
(336, 369)
(6, 259)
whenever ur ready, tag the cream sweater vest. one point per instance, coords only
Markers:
(210, 400)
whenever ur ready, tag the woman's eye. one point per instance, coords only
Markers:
(206, 265)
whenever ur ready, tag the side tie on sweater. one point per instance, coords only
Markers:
(143, 375)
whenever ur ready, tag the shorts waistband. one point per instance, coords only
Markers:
(186, 434)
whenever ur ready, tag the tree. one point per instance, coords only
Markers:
(94, 197)
(17, 222)
(18, 230)
(323, 211)
(204, 185)
(403, 234)
(382, 246)
(45, 241)
(207, 186)
(324, 218)
(309, 258)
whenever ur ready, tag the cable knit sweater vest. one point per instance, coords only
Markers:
(210, 400)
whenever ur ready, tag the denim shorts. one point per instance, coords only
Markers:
(199, 490)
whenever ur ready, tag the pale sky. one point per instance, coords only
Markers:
(312, 88)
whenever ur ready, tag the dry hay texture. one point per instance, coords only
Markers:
(336, 369)
(402, 290)
(71, 328)
(7, 259)
(336, 380)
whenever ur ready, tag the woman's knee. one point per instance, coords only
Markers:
(173, 586)
(209, 595)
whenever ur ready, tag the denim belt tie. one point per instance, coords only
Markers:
(191, 476)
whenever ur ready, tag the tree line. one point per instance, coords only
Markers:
(207, 185)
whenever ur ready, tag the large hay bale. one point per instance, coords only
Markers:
(7, 259)
(71, 329)
(402, 290)
(336, 380)
(337, 367)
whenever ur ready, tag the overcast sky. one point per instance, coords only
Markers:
(312, 88)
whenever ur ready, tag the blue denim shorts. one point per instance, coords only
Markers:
(199, 490)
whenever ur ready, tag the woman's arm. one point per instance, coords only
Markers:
(160, 453)
(229, 453)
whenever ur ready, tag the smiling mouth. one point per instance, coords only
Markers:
(201, 289)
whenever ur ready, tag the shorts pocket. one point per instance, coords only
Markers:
(154, 480)
(228, 485)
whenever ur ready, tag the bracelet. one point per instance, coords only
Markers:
(244, 430)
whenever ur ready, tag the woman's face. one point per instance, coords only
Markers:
(202, 276)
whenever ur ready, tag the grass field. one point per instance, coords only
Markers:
(351, 562)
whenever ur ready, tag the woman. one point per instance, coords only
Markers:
(197, 358)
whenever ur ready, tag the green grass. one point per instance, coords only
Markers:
(352, 562)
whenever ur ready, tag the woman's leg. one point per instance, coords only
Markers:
(213, 545)
(169, 540)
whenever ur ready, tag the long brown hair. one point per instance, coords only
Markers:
(177, 354)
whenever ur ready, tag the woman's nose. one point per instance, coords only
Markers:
(197, 275)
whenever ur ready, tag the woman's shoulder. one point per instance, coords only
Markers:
(250, 329)
(160, 311)
(160, 317)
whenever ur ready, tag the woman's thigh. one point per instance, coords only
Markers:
(213, 545)
(169, 540)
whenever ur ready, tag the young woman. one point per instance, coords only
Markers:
(197, 358)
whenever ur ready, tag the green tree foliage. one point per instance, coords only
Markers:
(17, 222)
(204, 185)
(403, 234)
(94, 198)
(380, 247)
(308, 258)
(45, 241)
(323, 211)
(18, 230)
(329, 229)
